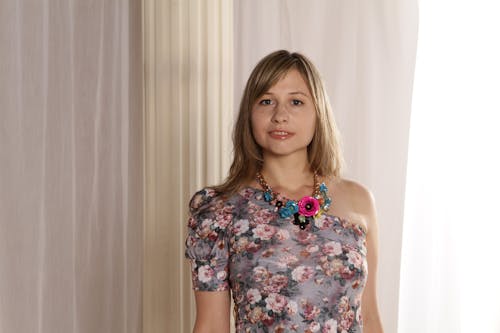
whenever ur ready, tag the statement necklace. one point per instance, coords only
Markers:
(306, 209)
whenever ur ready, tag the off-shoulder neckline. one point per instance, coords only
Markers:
(346, 221)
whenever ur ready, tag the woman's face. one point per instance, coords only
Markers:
(284, 118)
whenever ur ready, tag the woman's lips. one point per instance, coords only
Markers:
(280, 134)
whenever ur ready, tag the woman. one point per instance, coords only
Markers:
(290, 238)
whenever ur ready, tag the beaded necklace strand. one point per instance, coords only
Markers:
(306, 209)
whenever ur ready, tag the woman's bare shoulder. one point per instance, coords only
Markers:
(356, 190)
(356, 198)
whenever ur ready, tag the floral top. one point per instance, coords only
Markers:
(282, 278)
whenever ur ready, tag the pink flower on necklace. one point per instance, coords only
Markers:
(308, 206)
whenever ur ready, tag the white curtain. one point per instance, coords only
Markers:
(366, 52)
(71, 166)
(450, 270)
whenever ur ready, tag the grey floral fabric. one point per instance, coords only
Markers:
(282, 279)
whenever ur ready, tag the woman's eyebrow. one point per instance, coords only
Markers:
(298, 93)
(290, 93)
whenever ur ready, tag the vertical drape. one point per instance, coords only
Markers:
(365, 51)
(450, 271)
(71, 166)
(188, 89)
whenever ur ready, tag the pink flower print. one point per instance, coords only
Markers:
(332, 248)
(267, 320)
(246, 193)
(291, 308)
(205, 225)
(312, 248)
(314, 327)
(267, 253)
(330, 267)
(264, 231)
(253, 296)
(279, 329)
(310, 311)
(305, 237)
(240, 227)
(276, 283)
(302, 273)
(192, 222)
(330, 326)
(343, 305)
(346, 273)
(199, 198)
(253, 247)
(347, 320)
(262, 216)
(240, 245)
(260, 274)
(355, 284)
(355, 259)
(282, 235)
(308, 206)
(191, 240)
(213, 235)
(323, 222)
(255, 315)
(223, 217)
(318, 281)
(221, 275)
(276, 302)
(205, 273)
(252, 208)
(286, 260)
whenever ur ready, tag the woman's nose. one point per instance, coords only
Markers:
(280, 113)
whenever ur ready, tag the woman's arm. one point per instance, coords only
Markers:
(369, 305)
(364, 207)
(212, 311)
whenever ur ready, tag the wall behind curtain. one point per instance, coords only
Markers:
(365, 51)
(70, 166)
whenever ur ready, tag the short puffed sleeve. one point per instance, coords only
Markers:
(207, 243)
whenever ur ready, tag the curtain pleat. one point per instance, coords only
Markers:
(71, 166)
(188, 99)
(450, 270)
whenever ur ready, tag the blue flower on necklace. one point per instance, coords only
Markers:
(290, 208)
(268, 196)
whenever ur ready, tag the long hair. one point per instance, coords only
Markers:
(324, 151)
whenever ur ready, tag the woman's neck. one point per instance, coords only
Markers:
(287, 172)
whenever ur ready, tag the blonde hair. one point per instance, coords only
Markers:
(324, 151)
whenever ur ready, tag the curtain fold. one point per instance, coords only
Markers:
(450, 242)
(188, 87)
(71, 166)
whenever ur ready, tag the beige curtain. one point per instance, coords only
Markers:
(365, 51)
(71, 166)
(189, 97)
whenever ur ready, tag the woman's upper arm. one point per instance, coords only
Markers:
(369, 304)
(212, 311)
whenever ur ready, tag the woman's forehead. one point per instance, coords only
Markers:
(292, 82)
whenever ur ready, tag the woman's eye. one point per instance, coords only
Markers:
(265, 102)
(297, 102)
